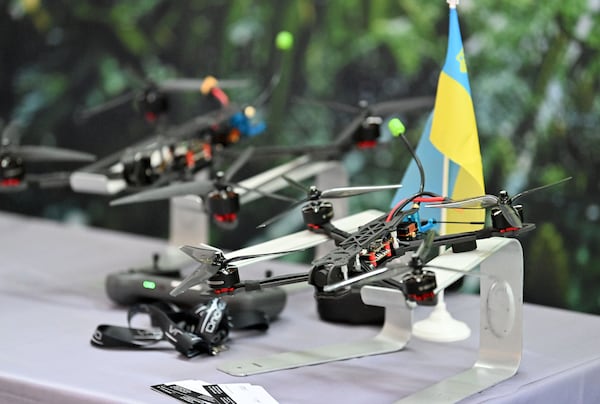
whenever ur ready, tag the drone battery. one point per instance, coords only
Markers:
(132, 287)
(347, 308)
(464, 246)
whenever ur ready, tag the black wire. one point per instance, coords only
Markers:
(418, 161)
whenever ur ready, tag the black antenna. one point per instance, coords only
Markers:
(397, 128)
(284, 41)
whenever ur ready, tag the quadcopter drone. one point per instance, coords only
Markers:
(224, 277)
(220, 198)
(176, 152)
(364, 255)
(15, 157)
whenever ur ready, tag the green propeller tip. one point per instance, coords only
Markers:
(284, 40)
(396, 127)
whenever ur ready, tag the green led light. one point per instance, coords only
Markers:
(149, 284)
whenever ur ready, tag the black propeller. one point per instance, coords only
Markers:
(212, 260)
(502, 202)
(10, 143)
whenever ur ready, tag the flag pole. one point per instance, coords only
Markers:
(440, 326)
(446, 165)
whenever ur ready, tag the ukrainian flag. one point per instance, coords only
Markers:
(451, 132)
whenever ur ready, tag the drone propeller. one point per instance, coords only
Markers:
(186, 84)
(502, 202)
(314, 195)
(53, 154)
(152, 89)
(381, 109)
(11, 136)
(212, 260)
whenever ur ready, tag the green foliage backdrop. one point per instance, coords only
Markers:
(534, 71)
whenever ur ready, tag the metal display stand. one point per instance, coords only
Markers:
(501, 321)
(393, 336)
(501, 264)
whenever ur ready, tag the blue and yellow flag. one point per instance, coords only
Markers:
(451, 131)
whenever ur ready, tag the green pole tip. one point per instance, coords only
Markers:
(284, 40)
(396, 127)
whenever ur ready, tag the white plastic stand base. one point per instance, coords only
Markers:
(440, 326)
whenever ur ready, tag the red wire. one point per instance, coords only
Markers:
(419, 199)
(220, 96)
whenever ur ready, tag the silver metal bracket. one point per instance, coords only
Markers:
(393, 337)
(501, 319)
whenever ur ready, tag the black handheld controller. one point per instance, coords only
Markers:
(142, 286)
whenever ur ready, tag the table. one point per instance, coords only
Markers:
(52, 298)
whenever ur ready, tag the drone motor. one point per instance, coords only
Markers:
(139, 171)
(223, 205)
(12, 170)
(367, 134)
(224, 280)
(153, 103)
(499, 221)
(316, 214)
(419, 287)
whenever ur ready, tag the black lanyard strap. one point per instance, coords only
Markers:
(203, 329)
